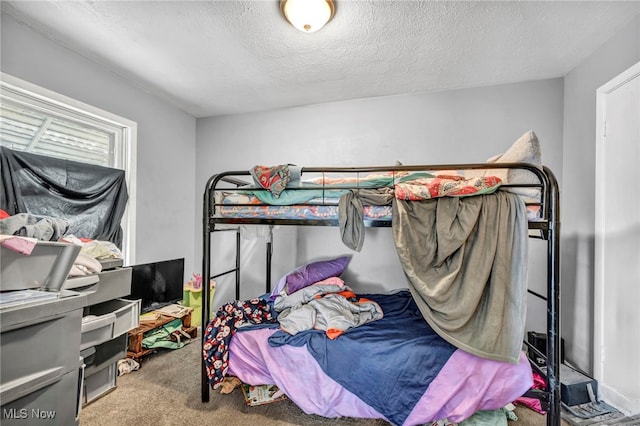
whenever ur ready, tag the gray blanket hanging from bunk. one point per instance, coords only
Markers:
(350, 213)
(466, 263)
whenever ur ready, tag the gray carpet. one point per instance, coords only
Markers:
(166, 392)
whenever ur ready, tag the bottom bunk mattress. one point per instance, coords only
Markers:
(395, 368)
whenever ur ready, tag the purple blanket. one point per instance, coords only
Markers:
(463, 385)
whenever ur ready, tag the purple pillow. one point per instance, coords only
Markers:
(316, 271)
(311, 273)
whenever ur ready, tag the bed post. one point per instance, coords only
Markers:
(553, 302)
(269, 256)
(206, 273)
(237, 269)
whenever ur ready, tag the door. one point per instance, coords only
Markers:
(617, 243)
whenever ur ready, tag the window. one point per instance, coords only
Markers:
(37, 120)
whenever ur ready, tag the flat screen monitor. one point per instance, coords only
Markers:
(157, 284)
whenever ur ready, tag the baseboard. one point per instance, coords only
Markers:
(626, 405)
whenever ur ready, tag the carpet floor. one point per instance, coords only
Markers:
(165, 391)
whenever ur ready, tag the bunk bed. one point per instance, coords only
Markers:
(238, 198)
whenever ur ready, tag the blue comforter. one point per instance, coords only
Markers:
(399, 353)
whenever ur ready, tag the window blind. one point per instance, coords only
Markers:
(30, 130)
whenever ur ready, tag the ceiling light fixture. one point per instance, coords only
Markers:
(308, 15)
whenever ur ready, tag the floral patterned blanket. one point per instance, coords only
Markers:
(445, 186)
(228, 319)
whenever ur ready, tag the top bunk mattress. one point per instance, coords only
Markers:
(320, 198)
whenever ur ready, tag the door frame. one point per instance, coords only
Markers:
(600, 172)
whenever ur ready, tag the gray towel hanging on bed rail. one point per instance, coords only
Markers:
(350, 214)
(465, 260)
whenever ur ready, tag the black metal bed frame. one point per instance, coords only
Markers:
(548, 226)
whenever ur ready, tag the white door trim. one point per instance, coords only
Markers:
(600, 172)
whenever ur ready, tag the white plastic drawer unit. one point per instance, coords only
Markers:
(39, 339)
(55, 400)
(87, 284)
(46, 267)
(105, 354)
(99, 383)
(107, 320)
(113, 284)
(101, 367)
(103, 286)
(97, 329)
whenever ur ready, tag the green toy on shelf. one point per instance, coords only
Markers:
(192, 297)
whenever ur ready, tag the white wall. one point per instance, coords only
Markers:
(455, 126)
(578, 203)
(166, 151)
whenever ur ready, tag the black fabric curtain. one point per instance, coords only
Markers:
(91, 199)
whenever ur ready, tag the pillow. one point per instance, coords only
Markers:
(311, 273)
(524, 150)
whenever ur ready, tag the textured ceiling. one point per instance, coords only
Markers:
(227, 57)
